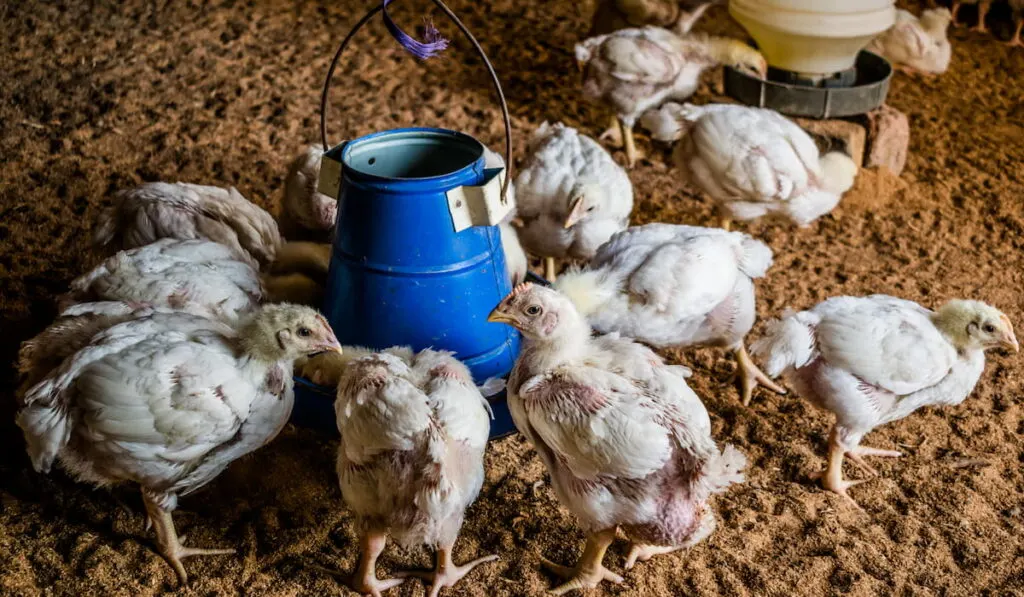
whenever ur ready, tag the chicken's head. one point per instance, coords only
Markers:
(972, 325)
(539, 313)
(287, 332)
(585, 201)
(740, 56)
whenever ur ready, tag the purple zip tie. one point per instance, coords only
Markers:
(435, 44)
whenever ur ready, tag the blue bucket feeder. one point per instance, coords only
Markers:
(417, 257)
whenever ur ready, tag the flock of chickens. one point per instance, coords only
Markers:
(175, 356)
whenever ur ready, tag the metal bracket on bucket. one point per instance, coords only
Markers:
(334, 155)
(330, 173)
(479, 205)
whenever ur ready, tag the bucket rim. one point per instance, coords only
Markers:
(448, 179)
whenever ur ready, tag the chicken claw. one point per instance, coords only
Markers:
(613, 134)
(365, 581)
(751, 377)
(445, 572)
(589, 571)
(638, 552)
(168, 542)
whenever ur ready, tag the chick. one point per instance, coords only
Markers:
(571, 195)
(916, 45)
(633, 70)
(167, 402)
(413, 432)
(876, 359)
(626, 441)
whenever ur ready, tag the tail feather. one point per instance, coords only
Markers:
(45, 423)
(755, 257)
(788, 342)
(721, 470)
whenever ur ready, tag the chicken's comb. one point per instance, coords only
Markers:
(520, 288)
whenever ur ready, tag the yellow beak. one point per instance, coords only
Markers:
(498, 316)
(1010, 341)
(576, 212)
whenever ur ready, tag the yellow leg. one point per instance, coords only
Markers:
(1015, 40)
(632, 153)
(550, 271)
(589, 571)
(365, 581)
(751, 376)
(983, 7)
(445, 572)
(613, 134)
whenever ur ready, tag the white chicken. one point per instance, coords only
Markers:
(413, 433)
(917, 45)
(626, 441)
(167, 402)
(876, 359)
(669, 285)
(754, 162)
(304, 207)
(571, 194)
(197, 276)
(634, 70)
(183, 211)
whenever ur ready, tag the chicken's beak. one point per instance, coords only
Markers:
(1009, 341)
(330, 344)
(499, 316)
(576, 211)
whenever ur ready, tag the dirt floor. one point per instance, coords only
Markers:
(98, 96)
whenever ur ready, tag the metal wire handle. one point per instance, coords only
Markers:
(476, 45)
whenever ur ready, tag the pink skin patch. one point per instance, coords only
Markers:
(447, 372)
(178, 299)
(275, 381)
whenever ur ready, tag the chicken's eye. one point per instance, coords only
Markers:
(591, 208)
(305, 332)
(533, 310)
(989, 328)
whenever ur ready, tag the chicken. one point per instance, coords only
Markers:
(983, 7)
(678, 15)
(183, 211)
(916, 45)
(413, 432)
(1017, 7)
(197, 276)
(626, 441)
(668, 285)
(754, 162)
(572, 196)
(304, 207)
(876, 359)
(515, 257)
(666, 123)
(633, 70)
(167, 402)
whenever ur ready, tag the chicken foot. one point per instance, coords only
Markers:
(832, 476)
(365, 581)
(445, 572)
(168, 542)
(1015, 40)
(589, 571)
(613, 134)
(633, 155)
(751, 376)
(639, 552)
(550, 269)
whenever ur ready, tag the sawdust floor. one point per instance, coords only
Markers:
(99, 96)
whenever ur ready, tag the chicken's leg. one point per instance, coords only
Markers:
(550, 272)
(589, 571)
(365, 581)
(613, 134)
(167, 539)
(751, 377)
(955, 9)
(832, 476)
(445, 572)
(632, 153)
(639, 552)
(1015, 40)
(983, 7)
(858, 453)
